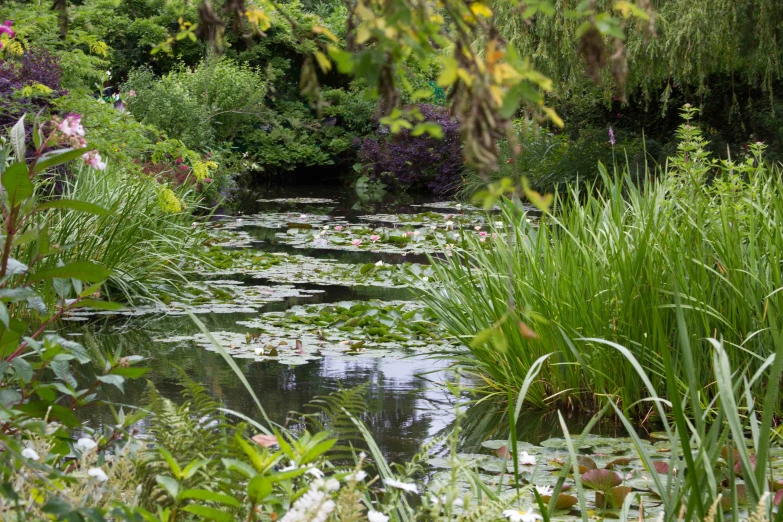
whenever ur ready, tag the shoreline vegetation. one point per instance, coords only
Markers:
(624, 256)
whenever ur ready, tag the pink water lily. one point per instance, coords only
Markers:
(338, 228)
(356, 242)
(374, 238)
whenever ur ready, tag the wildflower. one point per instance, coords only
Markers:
(611, 136)
(71, 128)
(483, 233)
(376, 516)
(132, 93)
(317, 473)
(356, 242)
(442, 501)
(459, 206)
(521, 516)
(94, 160)
(545, 491)
(374, 238)
(394, 483)
(379, 263)
(449, 224)
(494, 235)
(30, 453)
(362, 455)
(85, 444)
(499, 224)
(477, 228)
(313, 506)
(98, 474)
(338, 228)
(356, 477)
(526, 459)
(6, 29)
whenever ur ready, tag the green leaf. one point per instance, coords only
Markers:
(17, 139)
(97, 304)
(4, 314)
(192, 468)
(169, 484)
(23, 370)
(210, 513)
(81, 270)
(258, 489)
(73, 204)
(209, 496)
(58, 157)
(431, 128)
(17, 184)
(15, 267)
(116, 380)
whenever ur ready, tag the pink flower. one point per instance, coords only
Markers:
(93, 159)
(483, 234)
(374, 238)
(409, 233)
(356, 242)
(477, 227)
(6, 28)
(132, 93)
(338, 228)
(71, 126)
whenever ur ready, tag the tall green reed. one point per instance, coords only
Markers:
(146, 248)
(607, 265)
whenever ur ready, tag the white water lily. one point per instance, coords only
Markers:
(526, 459)
(30, 453)
(326, 227)
(459, 206)
(521, 516)
(379, 263)
(449, 224)
(98, 474)
(376, 516)
(545, 491)
(394, 483)
(259, 350)
(85, 444)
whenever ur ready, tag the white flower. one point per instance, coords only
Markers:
(362, 455)
(313, 506)
(521, 516)
(526, 459)
(356, 477)
(379, 263)
(290, 467)
(459, 206)
(449, 224)
(433, 227)
(416, 233)
(30, 453)
(442, 501)
(425, 279)
(98, 474)
(545, 491)
(401, 485)
(85, 444)
(326, 227)
(376, 516)
(499, 224)
(302, 216)
(317, 473)
(456, 236)
(477, 228)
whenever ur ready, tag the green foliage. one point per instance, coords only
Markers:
(607, 264)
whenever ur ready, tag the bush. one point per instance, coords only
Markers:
(410, 162)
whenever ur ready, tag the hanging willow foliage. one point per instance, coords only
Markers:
(695, 39)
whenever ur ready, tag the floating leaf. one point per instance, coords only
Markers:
(601, 479)
(614, 498)
(562, 502)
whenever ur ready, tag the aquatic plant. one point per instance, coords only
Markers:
(606, 265)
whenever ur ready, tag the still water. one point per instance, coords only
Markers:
(406, 400)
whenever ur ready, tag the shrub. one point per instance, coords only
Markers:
(28, 84)
(411, 162)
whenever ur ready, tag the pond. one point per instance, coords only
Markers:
(311, 292)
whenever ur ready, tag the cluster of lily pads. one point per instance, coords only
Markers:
(609, 470)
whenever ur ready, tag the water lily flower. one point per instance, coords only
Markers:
(477, 227)
(379, 263)
(409, 233)
(459, 206)
(94, 160)
(326, 227)
(449, 224)
(356, 242)
(86, 444)
(357, 476)
(526, 459)
(433, 227)
(522, 516)
(30, 453)
(545, 491)
(302, 216)
(416, 233)
(376, 516)
(98, 474)
(374, 238)
(338, 228)
(394, 483)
